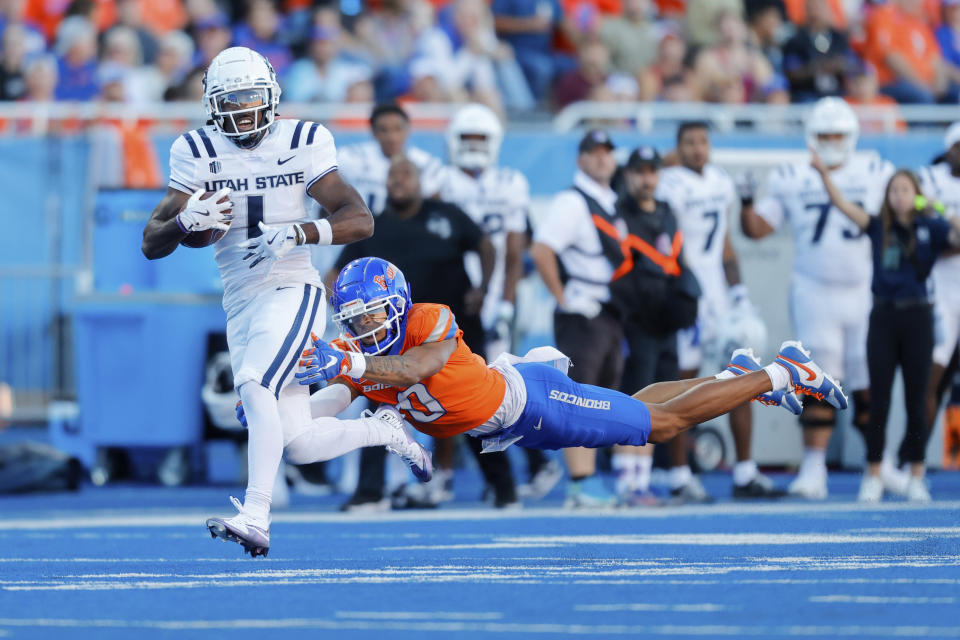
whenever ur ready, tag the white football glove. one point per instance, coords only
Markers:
(276, 242)
(200, 215)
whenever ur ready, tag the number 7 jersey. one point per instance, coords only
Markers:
(828, 247)
(269, 185)
(463, 395)
(701, 202)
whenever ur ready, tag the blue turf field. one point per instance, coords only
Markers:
(125, 562)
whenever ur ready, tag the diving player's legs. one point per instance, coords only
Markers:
(265, 341)
(561, 413)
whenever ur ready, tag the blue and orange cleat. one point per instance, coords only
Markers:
(807, 376)
(744, 361)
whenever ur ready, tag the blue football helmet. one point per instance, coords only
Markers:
(366, 286)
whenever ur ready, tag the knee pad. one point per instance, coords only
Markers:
(861, 409)
(817, 414)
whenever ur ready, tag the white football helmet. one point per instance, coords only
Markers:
(474, 154)
(833, 115)
(239, 76)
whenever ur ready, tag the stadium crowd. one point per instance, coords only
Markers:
(512, 55)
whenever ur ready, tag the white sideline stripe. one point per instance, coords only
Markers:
(646, 606)
(419, 615)
(847, 599)
(196, 517)
(494, 627)
(698, 539)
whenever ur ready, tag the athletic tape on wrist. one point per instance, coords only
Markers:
(324, 230)
(358, 365)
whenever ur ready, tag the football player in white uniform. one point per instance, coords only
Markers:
(365, 165)
(831, 271)
(701, 195)
(272, 296)
(498, 200)
(941, 183)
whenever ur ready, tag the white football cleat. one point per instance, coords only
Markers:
(403, 444)
(249, 532)
(807, 376)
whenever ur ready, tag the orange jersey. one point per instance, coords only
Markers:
(464, 394)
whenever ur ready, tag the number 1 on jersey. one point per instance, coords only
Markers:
(254, 216)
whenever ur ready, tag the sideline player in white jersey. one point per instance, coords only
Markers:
(941, 182)
(830, 294)
(365, 165)
(497, 198)
(272, 296)
(702, 195)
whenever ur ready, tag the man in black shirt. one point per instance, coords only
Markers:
(816, 58)
(427, 239)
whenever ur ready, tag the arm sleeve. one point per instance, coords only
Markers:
(323, 156)
(559, 229)
(183, 166)
(332, 399)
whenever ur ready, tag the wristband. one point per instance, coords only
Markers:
(325, 231)
(358, 365)
(180, 225)
(301, 236)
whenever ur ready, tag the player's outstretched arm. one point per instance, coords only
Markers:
(350, 219)
(325, 362)
(162, 233)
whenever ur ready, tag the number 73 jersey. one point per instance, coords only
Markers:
(464, 394)
(828, 247)
(268, 184)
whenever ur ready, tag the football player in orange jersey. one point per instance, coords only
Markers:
(412, 359)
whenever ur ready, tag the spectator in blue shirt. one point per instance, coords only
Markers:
(77, 60)
(327, 76)
(262, 32)
(907, 238)
(948, 36)
(527, 26)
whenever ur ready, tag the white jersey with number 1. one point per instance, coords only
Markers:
(268, 185)
(498, 200)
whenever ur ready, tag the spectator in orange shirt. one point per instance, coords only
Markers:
(902, 47)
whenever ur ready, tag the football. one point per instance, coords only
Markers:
(205, 238)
